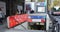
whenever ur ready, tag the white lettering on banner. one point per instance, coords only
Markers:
(20, 18)
(16, 18)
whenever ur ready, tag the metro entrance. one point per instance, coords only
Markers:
(37, 16)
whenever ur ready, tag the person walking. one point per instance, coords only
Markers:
(1, 16)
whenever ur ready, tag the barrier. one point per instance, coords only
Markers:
(13, 21)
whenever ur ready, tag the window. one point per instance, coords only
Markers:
(41, 9)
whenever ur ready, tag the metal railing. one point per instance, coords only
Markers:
(55, 24)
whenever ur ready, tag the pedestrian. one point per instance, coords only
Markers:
(1, 16)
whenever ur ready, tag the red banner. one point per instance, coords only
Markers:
(17, 19)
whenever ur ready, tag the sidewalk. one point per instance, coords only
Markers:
(3, 28)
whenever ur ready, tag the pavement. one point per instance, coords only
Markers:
(3, 28)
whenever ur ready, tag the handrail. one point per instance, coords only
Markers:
(54, 22)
